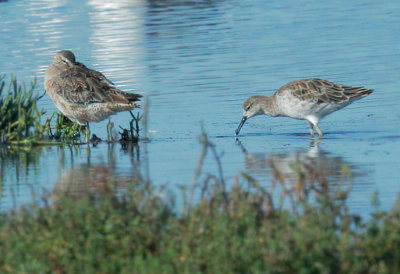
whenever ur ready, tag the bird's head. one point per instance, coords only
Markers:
(64, 58)
(251, 107)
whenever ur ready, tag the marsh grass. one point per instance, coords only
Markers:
(65, 129)
(227, 229)
(19, 114)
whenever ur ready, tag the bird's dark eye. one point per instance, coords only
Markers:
(247, 108)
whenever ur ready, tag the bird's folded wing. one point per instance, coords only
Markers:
(82, 86)
(323, 91)
(95, 73)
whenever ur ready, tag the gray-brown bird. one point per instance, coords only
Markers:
(305, 99)
(82, 94)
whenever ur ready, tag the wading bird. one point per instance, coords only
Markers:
(306, 99)
(82, 94)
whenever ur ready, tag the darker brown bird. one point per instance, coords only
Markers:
(82, 94)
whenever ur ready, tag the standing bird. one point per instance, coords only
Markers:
(82, 94)
(306, 99)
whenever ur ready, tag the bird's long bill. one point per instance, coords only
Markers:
(241, 124)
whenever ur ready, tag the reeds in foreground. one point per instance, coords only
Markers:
(227, 228)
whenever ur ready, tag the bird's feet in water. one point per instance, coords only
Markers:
(110, 127)
(87, 133)
(320, 134)
(87, 136)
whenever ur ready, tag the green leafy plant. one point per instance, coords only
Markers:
(64, 129)
(19, 114)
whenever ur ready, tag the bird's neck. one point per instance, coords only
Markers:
(269, 106)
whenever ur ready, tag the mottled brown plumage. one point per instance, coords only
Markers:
(82, 94)
(323, 91)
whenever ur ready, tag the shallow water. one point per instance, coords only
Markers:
(197, 61)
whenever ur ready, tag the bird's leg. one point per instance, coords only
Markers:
(311, 129)
(109, 132)
(318, 130)
(87, 131)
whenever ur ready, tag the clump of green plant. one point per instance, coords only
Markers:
(19, 114)
(64, 129)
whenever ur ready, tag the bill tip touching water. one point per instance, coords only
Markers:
(305, 99)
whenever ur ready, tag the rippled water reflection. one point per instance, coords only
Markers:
(197, 61)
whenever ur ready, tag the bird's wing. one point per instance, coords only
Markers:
(323, 91)
(95, 73)
(81, 86)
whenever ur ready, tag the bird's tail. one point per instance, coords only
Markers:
(132, 97)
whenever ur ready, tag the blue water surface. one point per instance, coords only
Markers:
(196, 62)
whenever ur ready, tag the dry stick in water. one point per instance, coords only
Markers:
(203, 141)
(221, 175)
(267, 194)
(206, 145)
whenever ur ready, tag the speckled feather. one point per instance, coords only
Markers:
(83, 94)
(82, 86)
(323, 91)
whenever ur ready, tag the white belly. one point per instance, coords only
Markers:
(305, 109)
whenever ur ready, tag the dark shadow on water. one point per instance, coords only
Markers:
(327, 135)
(265, 134)
(390, 137)
(155, 4)
(349, 132)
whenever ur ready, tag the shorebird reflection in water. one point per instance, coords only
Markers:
(302, 171)
(306, 99)
(82, 94)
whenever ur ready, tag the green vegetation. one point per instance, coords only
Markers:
(219, 229)
(65, 129)
(227, 232)
(19, 114)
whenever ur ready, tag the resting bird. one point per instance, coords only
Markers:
(306, 99)
(82, 94)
